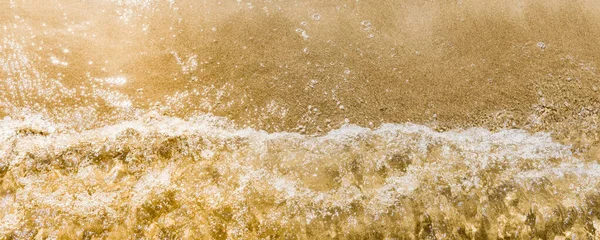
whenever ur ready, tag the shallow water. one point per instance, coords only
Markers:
(299, 120)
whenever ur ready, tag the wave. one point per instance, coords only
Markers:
(204, 177)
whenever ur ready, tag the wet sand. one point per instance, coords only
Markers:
(306, 67)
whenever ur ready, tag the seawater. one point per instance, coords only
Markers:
(181, 119)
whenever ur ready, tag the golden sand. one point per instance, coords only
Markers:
(185, 119)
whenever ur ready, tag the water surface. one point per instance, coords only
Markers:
(299, 119)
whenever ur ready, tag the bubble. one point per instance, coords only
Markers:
(541, 45)
(366, 25)
(316, 17)
(302, 33)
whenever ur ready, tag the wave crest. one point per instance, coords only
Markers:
(164, 176)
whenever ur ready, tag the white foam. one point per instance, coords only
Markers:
(476, 148)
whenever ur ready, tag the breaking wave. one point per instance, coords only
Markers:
(205, 178)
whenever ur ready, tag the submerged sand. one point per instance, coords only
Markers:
(240, 119)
